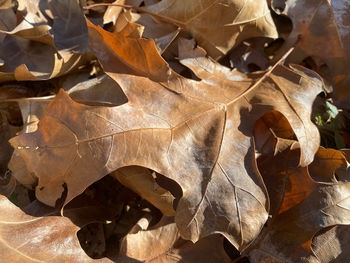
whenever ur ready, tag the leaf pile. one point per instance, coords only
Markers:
(173, 131)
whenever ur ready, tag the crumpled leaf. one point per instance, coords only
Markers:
(183, 129)
(29, 53)
(218, 25)
(142, 182)
(301, 206)
(162, 34)
(38, 239)
(162, 243)
(112, 12)
(123, 54)
(69, 27)
(325, 33)
(332, 245)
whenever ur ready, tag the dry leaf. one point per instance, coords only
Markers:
(112, 13)
(162, 244)
(218, 25)
(332, 245)
(38, 239)
(186, 130)
(142, 182)
(97, 91)
(120, 53)
(29, 53)
(300, 206)
(69, 27)
(324, 29)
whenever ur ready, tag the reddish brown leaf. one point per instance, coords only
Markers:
(300, 206)
(120, 53)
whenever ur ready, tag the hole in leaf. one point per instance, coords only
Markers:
(231, 251)
(116, 208)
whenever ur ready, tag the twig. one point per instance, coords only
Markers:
(141, 10)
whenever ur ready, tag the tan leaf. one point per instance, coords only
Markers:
(162, 244)
(142, 182)
(301, 206)
(218, 25)
(97, 91)
(324, 29)
(38, 239)
(197, 133)
(112, 13)
(29, 52)
(331, 245)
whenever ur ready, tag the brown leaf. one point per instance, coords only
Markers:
(69, 27)
(162, 243)
(97, 91)
(300, 206)
(218, 25)
(120, 53)
(332, 245)
(112, 12)
(28, 59)
(324, 30)
(187, 131)
(162, 34)
(29, 51)
(142, 182)
(38, 239)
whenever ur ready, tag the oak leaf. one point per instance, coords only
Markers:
(162, 243)
(324, 29)
(38, 239)
(142, 182)
(218, 25)
(301, 206)
(197, 133)
(69, 27)
(28, 51)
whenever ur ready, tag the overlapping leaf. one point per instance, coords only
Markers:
(218, 25)
(29, 50)
(325, 33)
(197, 133)
(302, 206)
(142, 244)
(38, 239)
